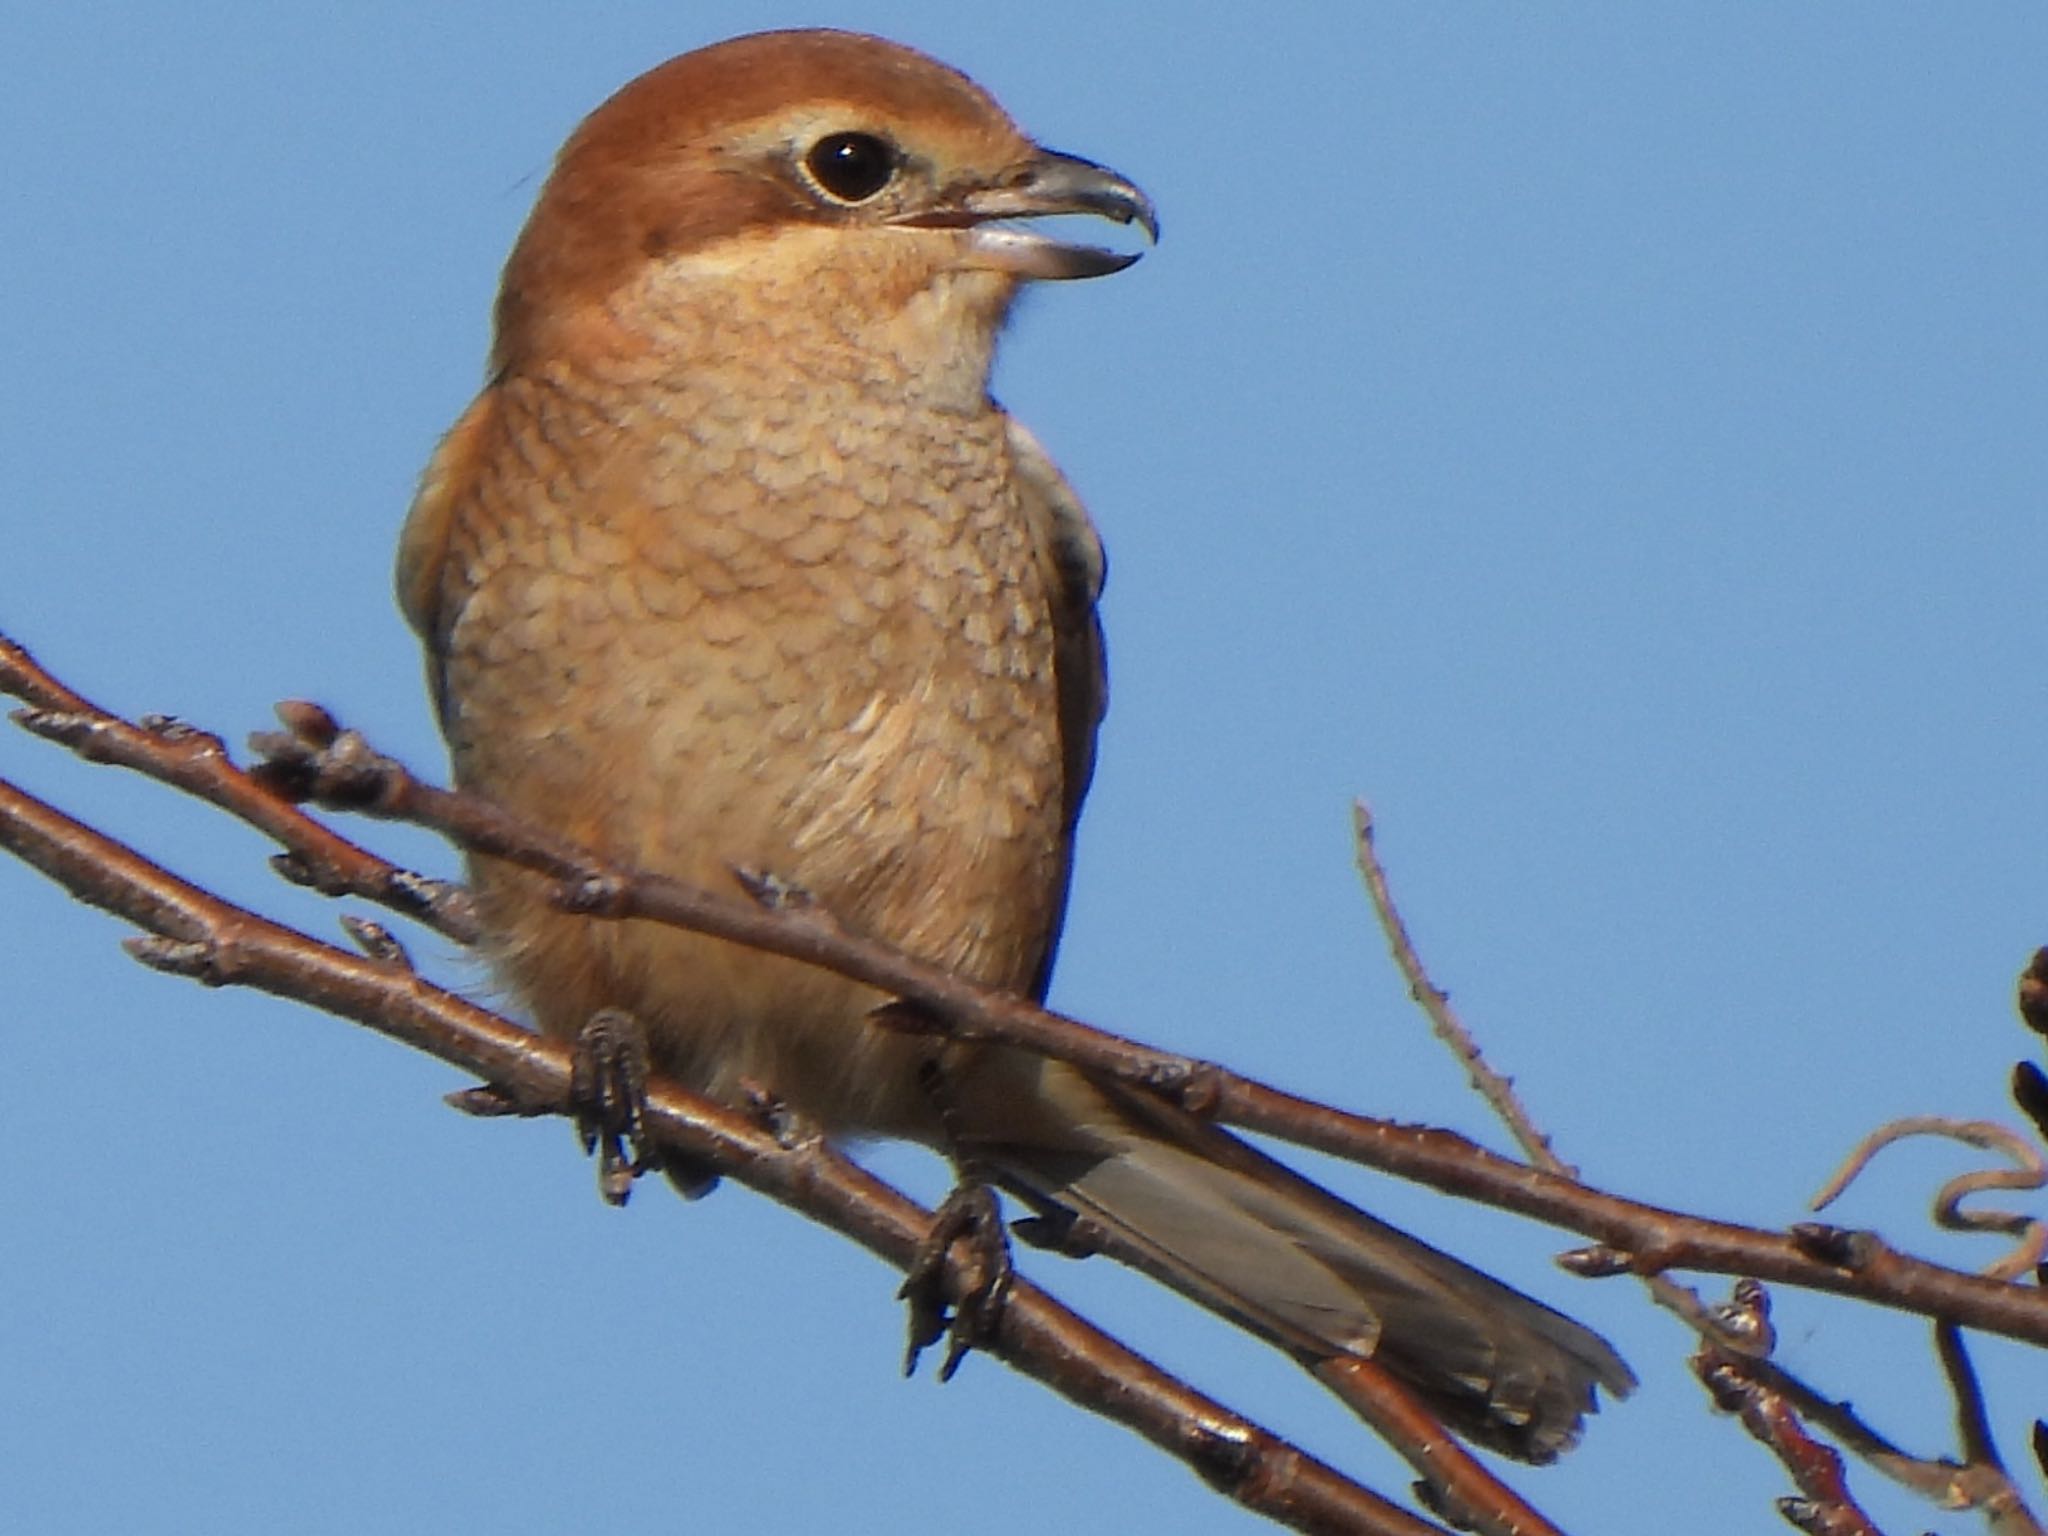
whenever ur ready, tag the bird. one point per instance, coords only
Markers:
(735, 562)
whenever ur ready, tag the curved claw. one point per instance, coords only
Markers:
(983, 1282)
(608, 1098)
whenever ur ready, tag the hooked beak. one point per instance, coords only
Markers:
(1048, 183)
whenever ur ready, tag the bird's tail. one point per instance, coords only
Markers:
(1232, 1229)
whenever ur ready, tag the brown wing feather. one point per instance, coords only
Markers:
(1071, 556)
(423, 546)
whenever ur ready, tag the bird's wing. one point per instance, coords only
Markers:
(1070, 555)
(423, 546)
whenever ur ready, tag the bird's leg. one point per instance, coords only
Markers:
(608, 1098)
(971, 1212)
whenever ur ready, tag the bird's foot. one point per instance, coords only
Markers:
(692, 1179)
(982, 1280)
(608, 1098)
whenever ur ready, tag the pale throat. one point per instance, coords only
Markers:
(879, 303)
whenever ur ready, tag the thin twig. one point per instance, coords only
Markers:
(1745, 1332)
(1770, 1395)
(1826, 1507)
(318, 758)
(338, 767)
(1634, 1237)
(1982, 1482)
(197, 934)
(197, 762)
(1497, 1090)
(1973, 1429)
(1453, 1484)
(2030, 1172)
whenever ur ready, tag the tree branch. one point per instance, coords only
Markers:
(197, 934)
(341, 771)
(194, 933)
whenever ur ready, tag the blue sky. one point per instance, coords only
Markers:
(1609, 438)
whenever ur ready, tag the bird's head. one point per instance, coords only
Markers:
(829, 177)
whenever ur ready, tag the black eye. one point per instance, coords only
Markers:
(852, 167)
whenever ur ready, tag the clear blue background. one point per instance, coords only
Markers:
(1610, 438)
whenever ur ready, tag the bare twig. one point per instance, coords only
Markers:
(2030, 1172)
(1453, 1483)
(1825, 1506)
(1744, 1331)
(1498, 1091)
(1768, 1397)
(1930, 1475)
(1982, 1482)
(1973, 1430)
(1632, 1237)
(197, 934)
(783, 920)
(1969, 1484)
(319, 760)
(196, 761)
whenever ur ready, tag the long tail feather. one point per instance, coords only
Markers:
(1243, 1235)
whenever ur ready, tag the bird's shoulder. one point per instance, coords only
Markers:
(444, 484)
(1061, 529)
(1071, 556)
